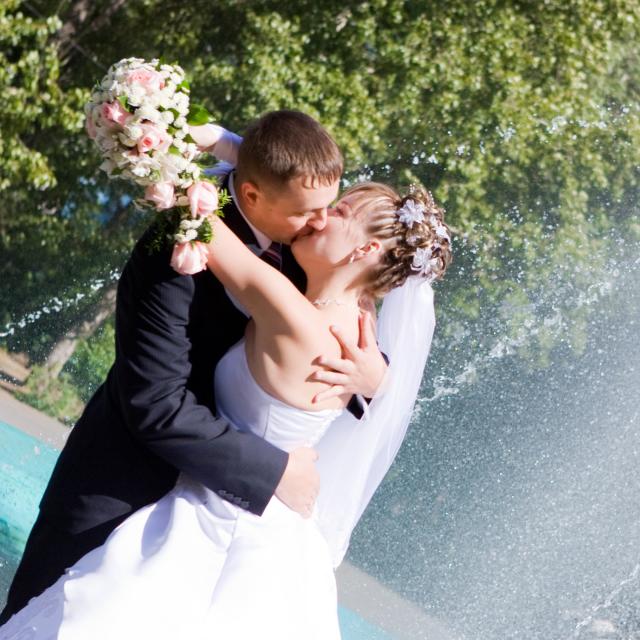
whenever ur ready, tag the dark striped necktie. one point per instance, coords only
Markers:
(273, 255)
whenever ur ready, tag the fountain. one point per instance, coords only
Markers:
(511, 511)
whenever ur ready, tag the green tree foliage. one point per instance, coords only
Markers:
(31, 98)
(61, 226)
(90, 364)
(522, 117)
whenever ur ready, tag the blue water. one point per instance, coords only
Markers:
(353, 627)
(25, 466)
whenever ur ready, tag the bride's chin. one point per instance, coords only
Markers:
(304, 253)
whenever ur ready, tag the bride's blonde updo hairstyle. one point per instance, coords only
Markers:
(415, 239)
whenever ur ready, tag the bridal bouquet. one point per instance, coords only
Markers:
(139, 117)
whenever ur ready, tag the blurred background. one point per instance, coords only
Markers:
(512, 510)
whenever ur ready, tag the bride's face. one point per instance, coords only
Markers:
(333, 245)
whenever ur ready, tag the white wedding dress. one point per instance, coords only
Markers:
(193, 566)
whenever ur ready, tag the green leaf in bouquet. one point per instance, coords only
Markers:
(198, 115)
(208, 178)
(223, 200)
(189, 139)
(175, 151)
(184, 86)
(123, 101)
(165, 225)
(205, 232)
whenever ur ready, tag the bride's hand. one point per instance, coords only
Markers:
(214, 139)
(360, 370)
(205, 135)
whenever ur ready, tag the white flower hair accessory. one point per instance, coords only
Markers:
(426, 259)
(411, 212)
(440, 230)
(427, 262)
(424, 264)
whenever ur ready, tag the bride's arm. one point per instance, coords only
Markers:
(216, 140)
(268, 295)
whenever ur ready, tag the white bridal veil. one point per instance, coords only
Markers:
(355, 454)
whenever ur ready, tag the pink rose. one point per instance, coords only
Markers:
(153, 137)
(189, 258)
(115, 112)
(150, 80)
(161, 194)
(203, 198)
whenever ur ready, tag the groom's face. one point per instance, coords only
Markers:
(285, 212)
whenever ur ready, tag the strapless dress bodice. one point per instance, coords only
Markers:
(243, 402)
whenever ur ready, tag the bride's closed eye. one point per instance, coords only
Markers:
(339, 209)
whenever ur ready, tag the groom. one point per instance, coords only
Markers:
(155, 415)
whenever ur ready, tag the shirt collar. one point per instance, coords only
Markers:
(264, 242)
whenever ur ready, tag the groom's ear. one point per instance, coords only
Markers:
(250, 192)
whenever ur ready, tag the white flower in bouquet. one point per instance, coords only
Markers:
(126, 140)
(181, 103)
(132, 130)
(147, 112)
(191, 224)
(106, 141)
(145, 167)
(139, 117)
(180, 145)
(167, 117)
(141, 171)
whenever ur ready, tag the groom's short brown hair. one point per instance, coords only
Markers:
(282, 145)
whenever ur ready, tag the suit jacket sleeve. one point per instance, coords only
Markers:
(153, 368)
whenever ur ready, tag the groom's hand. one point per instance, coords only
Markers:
(300, 483)
(361, 368)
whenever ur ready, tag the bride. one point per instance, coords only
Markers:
(193, 565)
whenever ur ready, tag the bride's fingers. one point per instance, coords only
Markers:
(327, 394)
(337, 365)
(330, 377)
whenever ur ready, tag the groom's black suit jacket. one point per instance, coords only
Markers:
(155, 414)
(152, 418)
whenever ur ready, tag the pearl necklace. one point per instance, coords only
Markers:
(327, 301)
